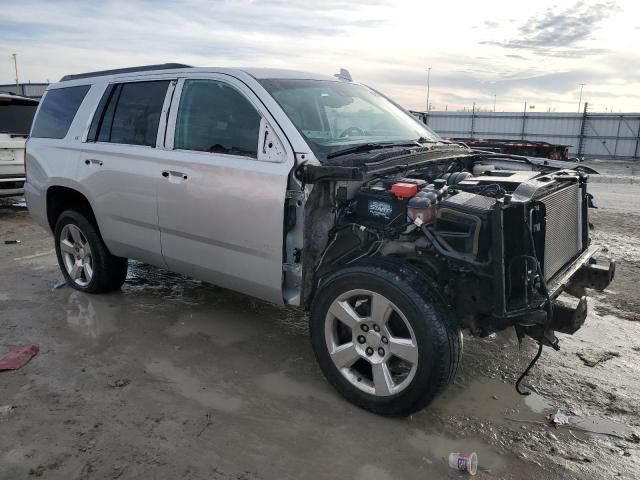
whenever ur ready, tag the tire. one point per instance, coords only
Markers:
(429, 341)
(89, 268)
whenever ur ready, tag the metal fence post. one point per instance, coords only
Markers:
(524, 121)
(473, 119)
(583, 127)
(635, 153)
(615, 147)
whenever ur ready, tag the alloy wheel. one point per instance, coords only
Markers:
(76, 255)
(371, 342)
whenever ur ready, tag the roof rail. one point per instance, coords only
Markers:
(142, 68)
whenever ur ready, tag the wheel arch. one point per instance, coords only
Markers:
(60, 198)
(390, 263)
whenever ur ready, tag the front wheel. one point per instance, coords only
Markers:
(86, 263)
(383, 339)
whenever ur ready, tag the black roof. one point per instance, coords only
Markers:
(142, 68)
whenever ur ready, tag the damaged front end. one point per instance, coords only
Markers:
(504, 247)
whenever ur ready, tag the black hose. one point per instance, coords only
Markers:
(540, 272)
(433, 237)
(526, 372)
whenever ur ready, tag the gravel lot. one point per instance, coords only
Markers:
(173, 378)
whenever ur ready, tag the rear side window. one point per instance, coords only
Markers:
(57, 111)
(129, 113)
(215, 117)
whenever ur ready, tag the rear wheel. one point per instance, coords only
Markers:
(83, 257)
(383, 339)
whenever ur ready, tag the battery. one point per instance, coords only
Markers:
(374, 206)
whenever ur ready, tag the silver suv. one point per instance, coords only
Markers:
(320, 193)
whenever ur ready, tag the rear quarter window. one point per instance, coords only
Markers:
(57, 111)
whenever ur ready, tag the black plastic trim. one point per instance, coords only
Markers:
(142, 68)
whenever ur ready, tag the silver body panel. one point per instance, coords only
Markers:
(223, 223)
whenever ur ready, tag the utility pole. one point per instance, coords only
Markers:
(428, 87)
(15, 65)
(580, 100)
(494, 103)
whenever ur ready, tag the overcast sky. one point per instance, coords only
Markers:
(537, 52)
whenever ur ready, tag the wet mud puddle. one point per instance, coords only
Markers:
(498, 403)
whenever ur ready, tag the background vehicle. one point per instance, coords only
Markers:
(316, 192)
(16, 115)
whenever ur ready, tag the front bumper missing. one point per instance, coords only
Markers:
(583, 272)
(569, 312)
(566, 290)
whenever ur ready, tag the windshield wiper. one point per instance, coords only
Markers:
(364, 147)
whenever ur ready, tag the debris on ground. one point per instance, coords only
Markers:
(60, 284)
(559, 418)
(11, 242)
(18, 357)
(591, 359)
(464, 461)
(207, 424)
(121, 382)
(6, 410)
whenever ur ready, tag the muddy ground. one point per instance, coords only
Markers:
(176, 379)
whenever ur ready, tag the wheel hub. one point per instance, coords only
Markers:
(374, 339)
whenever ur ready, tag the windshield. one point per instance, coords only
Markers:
(16, 115)
(338, 115)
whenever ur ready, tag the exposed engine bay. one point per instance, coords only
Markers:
(500, 240)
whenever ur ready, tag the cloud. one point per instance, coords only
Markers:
(387, 44)
(558, 82)
(561, 32)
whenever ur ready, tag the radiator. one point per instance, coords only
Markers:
(563, 235)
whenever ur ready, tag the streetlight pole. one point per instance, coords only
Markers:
(428, 87)
(15, 65)
(494, 103)
(580, 100)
